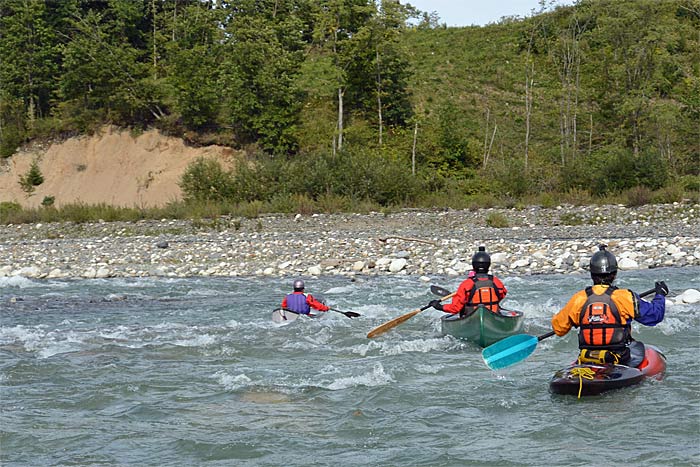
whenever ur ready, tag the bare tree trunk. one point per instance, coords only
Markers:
(488, 154)
(340, 119)
(413, 152)
(486, 134)
(379, 99)
(574, 151)
(528, 107)
(340, 102)
(334, 147)
(590, 137)
(155, 60)
(562, 135)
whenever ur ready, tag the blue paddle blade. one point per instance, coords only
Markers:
(509, 351)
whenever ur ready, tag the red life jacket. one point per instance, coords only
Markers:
(483, 292)
(600, 323)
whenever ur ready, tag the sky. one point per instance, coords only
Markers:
(478, 12)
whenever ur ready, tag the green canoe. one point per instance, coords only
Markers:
(483, 327)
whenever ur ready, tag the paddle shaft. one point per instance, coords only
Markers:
(396, 321)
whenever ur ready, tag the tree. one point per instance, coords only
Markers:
(191, 38)
(262, 56)
(30, 54)
(340, 27)
(106, 66)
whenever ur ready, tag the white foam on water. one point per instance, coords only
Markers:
(58, 347)
(346, 289)
(118, 333)
(376, 377)
(672, 325)
(233, 324)
(17, 281)
(28, 337)
(363, 349)
(419, 346)
(232, 382)
(44, 343)
(429, 369)
(201, 340)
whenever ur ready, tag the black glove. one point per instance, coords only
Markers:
(661, 288)
(436, 304)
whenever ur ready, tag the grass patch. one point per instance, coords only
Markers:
(497, 220)
(572, 219)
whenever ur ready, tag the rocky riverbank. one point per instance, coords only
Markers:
(529, 241)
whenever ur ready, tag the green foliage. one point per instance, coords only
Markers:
(205, 180)
(497, 220)
(7, 210)
(32, 178)
(615, 96)
(690, 182)
(638, 196)
(569, 218)
(48, 201)
(12, 130)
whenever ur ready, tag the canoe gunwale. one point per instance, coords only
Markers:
(483, 327)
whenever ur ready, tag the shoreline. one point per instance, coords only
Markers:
(537, 240)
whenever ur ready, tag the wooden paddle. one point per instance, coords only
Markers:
(396, 321)
(517, 348)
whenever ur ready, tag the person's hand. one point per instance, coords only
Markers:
(436, 304)
(661, 288)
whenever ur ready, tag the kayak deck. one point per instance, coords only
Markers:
(282, 316)
(590, 380)
(483, 327)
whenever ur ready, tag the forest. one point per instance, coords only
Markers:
(372, 101)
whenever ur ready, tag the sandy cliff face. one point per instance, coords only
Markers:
(111, 167)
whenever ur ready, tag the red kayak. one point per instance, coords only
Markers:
(591, 379)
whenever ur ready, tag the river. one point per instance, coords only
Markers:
(192, 371)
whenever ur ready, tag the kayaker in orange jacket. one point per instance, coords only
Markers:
(603, 313)
(301, 303)
(480, 288)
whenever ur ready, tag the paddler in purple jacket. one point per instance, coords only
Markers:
(301, 303)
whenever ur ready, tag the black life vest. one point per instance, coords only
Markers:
(483, 292)
(600, 323)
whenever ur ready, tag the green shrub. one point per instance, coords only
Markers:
(330, 203)
(206, 180)
(638, 196)
(668, 194)
(690, 182)
(497, 220)
(48, 201)
(8, 210)
(577, 197)
(32, 178)
(292, 203)
(569, 218)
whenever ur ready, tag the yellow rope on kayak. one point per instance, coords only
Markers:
(582, 372)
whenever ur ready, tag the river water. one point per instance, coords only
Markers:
(193, 371)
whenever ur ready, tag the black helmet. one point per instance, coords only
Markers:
(603, 262)
(481, 261)
(298, 284)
